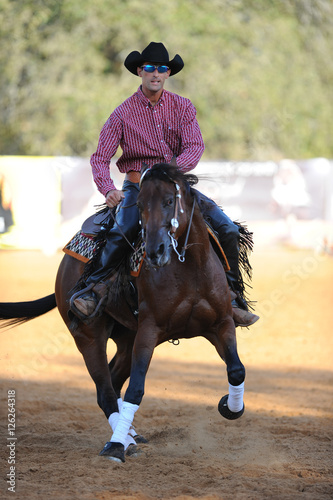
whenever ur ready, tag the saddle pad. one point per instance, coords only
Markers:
(82, 246)
(136, 258)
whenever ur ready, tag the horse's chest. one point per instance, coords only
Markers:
(204, 313)
(194, 316)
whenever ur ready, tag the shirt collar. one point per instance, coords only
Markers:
(145, 99)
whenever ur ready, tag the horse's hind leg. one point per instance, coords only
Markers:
(231, 406)
(93, 350)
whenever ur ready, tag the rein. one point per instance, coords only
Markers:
(119, 227)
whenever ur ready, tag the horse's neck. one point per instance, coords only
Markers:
(198, 232)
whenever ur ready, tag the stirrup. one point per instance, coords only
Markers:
(98, 309)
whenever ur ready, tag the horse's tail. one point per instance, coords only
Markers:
(16, 313)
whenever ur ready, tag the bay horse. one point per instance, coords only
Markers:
(182, 293)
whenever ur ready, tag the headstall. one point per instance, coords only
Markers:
(174, 221)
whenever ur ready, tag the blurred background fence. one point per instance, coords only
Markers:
(44, 200)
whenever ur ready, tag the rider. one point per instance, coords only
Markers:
(152, 126)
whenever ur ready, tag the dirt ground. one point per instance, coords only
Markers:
(280, 449)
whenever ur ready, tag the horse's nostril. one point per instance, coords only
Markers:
(160, 250)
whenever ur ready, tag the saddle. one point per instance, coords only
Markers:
(89, 239)
(97, 222)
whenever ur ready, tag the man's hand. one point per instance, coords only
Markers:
(114, 197)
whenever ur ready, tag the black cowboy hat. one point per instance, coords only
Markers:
(154, 53)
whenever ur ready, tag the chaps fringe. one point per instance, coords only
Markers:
(245, 268)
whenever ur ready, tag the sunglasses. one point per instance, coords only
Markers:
(150, 68)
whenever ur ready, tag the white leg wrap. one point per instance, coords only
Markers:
(120, 434)
(235, 399)
(113, 420)
(132, 432)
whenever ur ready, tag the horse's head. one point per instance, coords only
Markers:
(162, 204)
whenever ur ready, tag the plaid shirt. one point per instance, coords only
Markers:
(148, 134)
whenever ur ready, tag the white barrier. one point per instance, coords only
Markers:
(44, 200)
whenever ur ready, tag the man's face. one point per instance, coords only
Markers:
(152, 82)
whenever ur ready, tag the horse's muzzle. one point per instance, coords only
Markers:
(159, 255)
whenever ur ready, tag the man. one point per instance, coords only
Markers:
(152, 126)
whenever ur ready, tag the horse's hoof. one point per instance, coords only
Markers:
(225, 412)
(133, 451)
(114, 451)
(140, 439)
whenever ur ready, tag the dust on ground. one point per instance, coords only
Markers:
(280, 449)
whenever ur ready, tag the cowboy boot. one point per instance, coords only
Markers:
(86, 304)
(95, 298)
(96, 293)
(241, 316)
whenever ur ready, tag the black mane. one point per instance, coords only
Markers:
(163, 171)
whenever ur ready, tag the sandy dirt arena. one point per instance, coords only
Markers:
(280, 449)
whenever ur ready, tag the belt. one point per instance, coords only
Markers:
(133, 176)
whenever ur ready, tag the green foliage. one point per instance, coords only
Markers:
(259, 72)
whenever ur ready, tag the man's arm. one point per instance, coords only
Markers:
(109, 140)
(192, 145)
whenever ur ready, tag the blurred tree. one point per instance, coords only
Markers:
(259, 72)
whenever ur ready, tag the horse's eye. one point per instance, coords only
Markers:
(169, 202)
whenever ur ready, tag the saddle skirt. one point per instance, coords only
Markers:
(87, 242)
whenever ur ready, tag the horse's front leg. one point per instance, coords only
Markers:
(120, 368)
(231, 406)
(142, 353)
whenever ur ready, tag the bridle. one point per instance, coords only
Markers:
(175, 223)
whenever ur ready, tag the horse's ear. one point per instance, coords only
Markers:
(144, 170)
(144, 167)
(173, 162)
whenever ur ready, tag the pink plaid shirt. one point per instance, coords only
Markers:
(148, 134)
